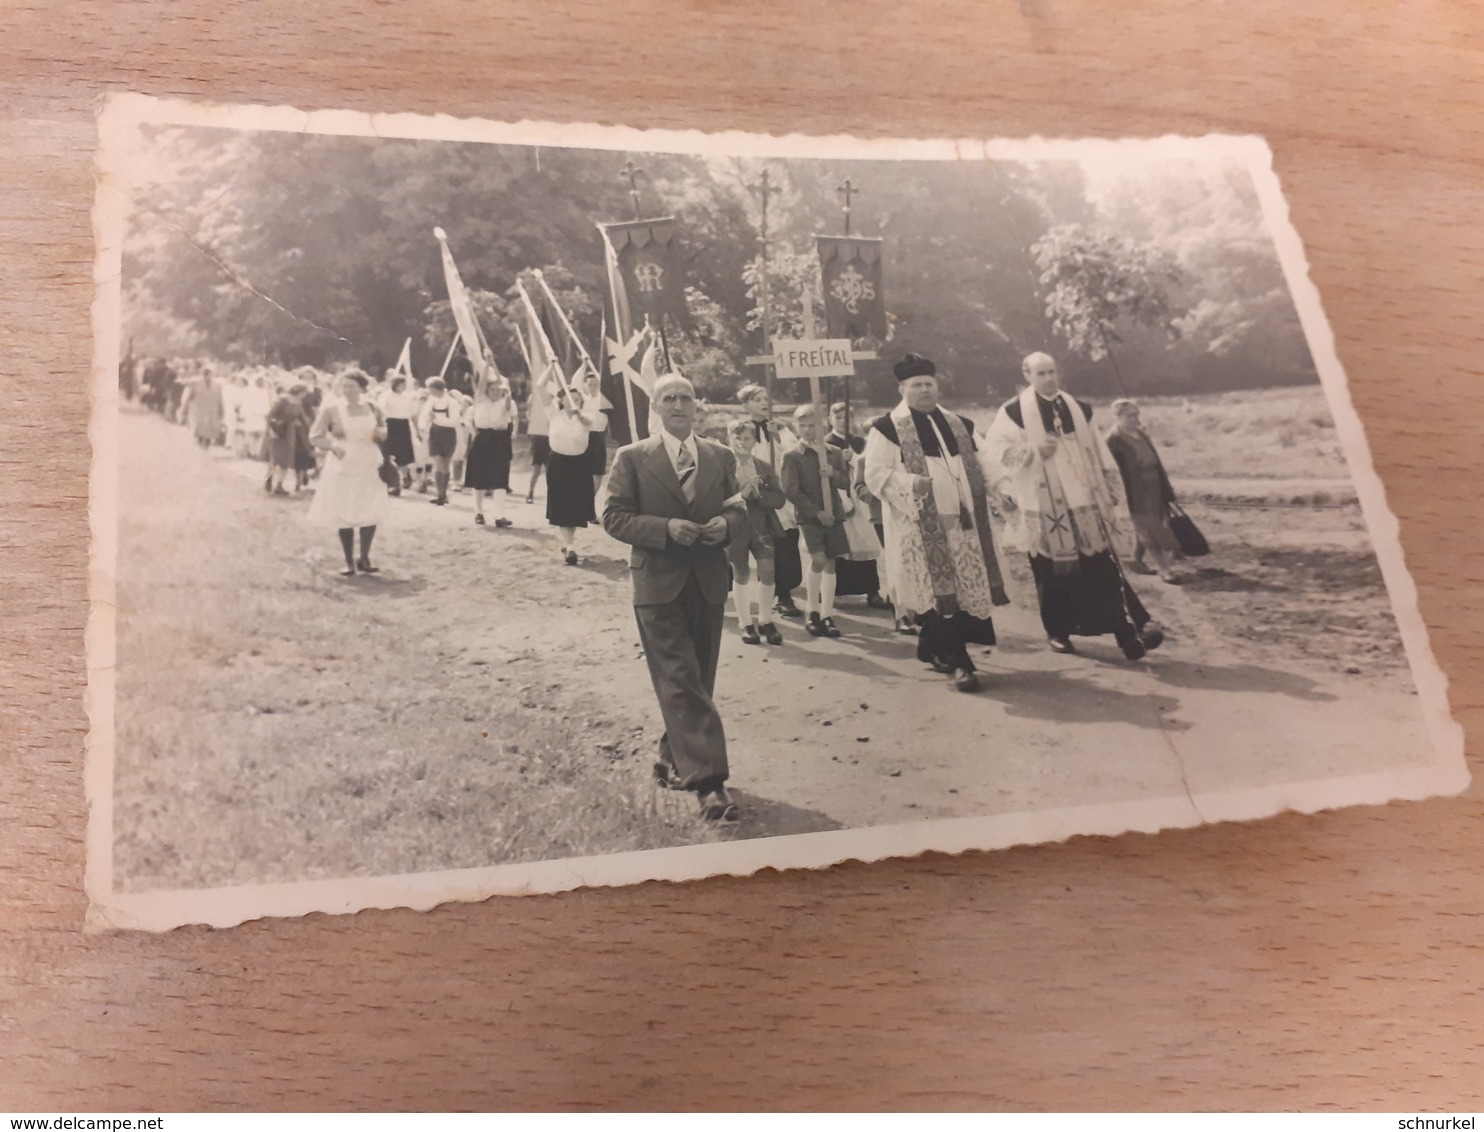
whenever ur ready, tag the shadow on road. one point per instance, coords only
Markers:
(525, 534)
(848, 659)
(765, 817)
(611, 568)
(1059, 697)
(1237, 678)
(380, 585)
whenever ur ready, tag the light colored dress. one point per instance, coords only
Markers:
(907, 563)
(350, 491)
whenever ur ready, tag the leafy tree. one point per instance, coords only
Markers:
(1241, 327)
(709, 354)
(1096, 280)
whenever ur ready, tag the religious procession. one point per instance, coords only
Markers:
(911, 509)
(750, 509)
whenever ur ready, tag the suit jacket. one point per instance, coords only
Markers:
(644, 494)
(801, 482)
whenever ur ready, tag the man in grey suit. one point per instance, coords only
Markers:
(667, 499)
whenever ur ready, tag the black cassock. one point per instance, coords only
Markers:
(1094, 598)
(852, 577)
(942, 641)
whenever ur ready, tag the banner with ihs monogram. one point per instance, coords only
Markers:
(850, 267)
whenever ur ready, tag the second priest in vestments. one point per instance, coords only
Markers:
(1043, 453)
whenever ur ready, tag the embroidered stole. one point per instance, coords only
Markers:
(1054, 513)
(930, 523)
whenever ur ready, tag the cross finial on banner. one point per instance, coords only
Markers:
(632, 172)
(847, 190)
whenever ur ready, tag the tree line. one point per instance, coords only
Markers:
(259, 247)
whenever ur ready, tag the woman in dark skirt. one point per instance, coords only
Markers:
(487, 464)
(597, 451)
(286, 439)
(1147, 488)
(570, 483)
(438, 421)
(397, 406)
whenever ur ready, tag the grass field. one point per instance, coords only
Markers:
(1269, 434)
(250, 677)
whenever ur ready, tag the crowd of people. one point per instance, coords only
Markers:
(913, 513)
(306, 426)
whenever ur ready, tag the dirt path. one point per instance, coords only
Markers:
(853, 732)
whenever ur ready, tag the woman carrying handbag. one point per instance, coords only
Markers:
(1163, 527)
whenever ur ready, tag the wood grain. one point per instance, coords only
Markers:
(1331, 961)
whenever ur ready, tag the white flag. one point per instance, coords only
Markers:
(458, 301)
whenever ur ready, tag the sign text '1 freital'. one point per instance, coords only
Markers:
(823, 357)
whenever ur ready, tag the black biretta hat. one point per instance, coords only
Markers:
(914, 365)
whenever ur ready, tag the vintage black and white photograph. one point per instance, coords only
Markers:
(485, 509)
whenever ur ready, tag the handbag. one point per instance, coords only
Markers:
(1193, 544)
(389, 472)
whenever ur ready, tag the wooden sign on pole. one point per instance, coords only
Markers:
(809, 358)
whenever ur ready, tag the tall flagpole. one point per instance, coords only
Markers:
(846, 190)
(561, 314)
(764, 189)
(448, 357)
(536, 328)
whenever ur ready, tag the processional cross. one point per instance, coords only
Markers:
(632, 172)
(847, 190)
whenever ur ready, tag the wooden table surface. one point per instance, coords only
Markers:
(1331, 961)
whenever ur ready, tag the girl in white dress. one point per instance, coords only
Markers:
(350, 492)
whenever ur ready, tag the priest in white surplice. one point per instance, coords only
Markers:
(1064, 494)
(920, 462)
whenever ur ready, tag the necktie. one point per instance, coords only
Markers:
(685, 468)
(765, 433)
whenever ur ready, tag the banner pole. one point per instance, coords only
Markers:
(821, 414)
(628, 400)
(448, 357)
(536, 328)
(561, 314)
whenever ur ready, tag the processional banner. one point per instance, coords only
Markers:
(646, 285)
(853, 304)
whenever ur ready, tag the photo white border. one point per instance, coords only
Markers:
(1445, 772)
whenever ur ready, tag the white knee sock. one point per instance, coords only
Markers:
(827, 594)
(811, 592)
(757, 609)
(495, 501)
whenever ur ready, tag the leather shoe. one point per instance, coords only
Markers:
(718, 806)
(787, 609)
(665, 777)
(1061, 644)
(965, 681)
(1151, 638)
